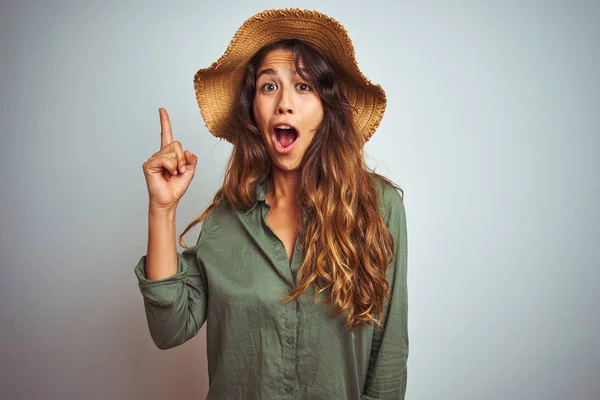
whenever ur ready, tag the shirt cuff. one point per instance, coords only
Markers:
(163, 292)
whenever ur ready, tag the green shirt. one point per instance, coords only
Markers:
(260, 348)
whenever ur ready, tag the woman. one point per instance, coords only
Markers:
(299, 270)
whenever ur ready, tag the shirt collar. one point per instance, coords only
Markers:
(261, 193)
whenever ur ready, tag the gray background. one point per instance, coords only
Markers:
(492, 129)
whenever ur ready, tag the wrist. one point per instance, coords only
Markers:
(162, 211)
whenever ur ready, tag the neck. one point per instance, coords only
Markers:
(283, 188)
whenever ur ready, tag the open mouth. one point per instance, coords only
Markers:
(285, 135)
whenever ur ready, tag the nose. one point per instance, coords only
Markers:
(285, 105)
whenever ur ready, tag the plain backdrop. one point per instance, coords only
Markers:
(492, 129)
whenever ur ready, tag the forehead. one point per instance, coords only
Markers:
(279, 58)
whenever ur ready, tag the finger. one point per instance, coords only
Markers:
(180, 156)
(174, 151)
(169, 162)
(166, 136)
(190, 159)
(166, 161)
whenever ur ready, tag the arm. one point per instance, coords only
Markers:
(386, 377)
(175, 302)
(161, 256)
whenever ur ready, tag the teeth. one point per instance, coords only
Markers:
(283, 127)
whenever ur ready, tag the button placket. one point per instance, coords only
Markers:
(277, 248)
(289, 351)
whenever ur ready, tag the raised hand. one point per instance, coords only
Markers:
(170, 170)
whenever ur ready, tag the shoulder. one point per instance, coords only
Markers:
(223, 220)
(390, 196)
(213, 220)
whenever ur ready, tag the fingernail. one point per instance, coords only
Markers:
(175, 172)
(183, 169)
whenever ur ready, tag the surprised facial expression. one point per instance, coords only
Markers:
(287, 109)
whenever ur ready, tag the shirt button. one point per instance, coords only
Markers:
(288, 390)
(298, 247)
(290, 340)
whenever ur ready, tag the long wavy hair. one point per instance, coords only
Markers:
(348, 248)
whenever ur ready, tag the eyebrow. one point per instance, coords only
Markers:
(271, 71)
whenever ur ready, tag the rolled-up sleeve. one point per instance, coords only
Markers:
(387, 372)
(175, 306)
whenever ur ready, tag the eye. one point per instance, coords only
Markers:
(268, 87)
(303, 87)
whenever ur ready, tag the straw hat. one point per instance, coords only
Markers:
(218, 85)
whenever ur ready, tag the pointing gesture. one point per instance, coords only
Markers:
(166, 135)
(169, 171)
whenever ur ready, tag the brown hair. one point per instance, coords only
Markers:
(347, 246)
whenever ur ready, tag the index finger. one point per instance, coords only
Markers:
(166, 136)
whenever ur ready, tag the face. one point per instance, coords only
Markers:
(284, 100)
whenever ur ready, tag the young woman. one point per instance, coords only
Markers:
(299, 270)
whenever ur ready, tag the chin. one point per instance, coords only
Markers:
(288, 167)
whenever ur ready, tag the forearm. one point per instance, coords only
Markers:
(161, 255)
